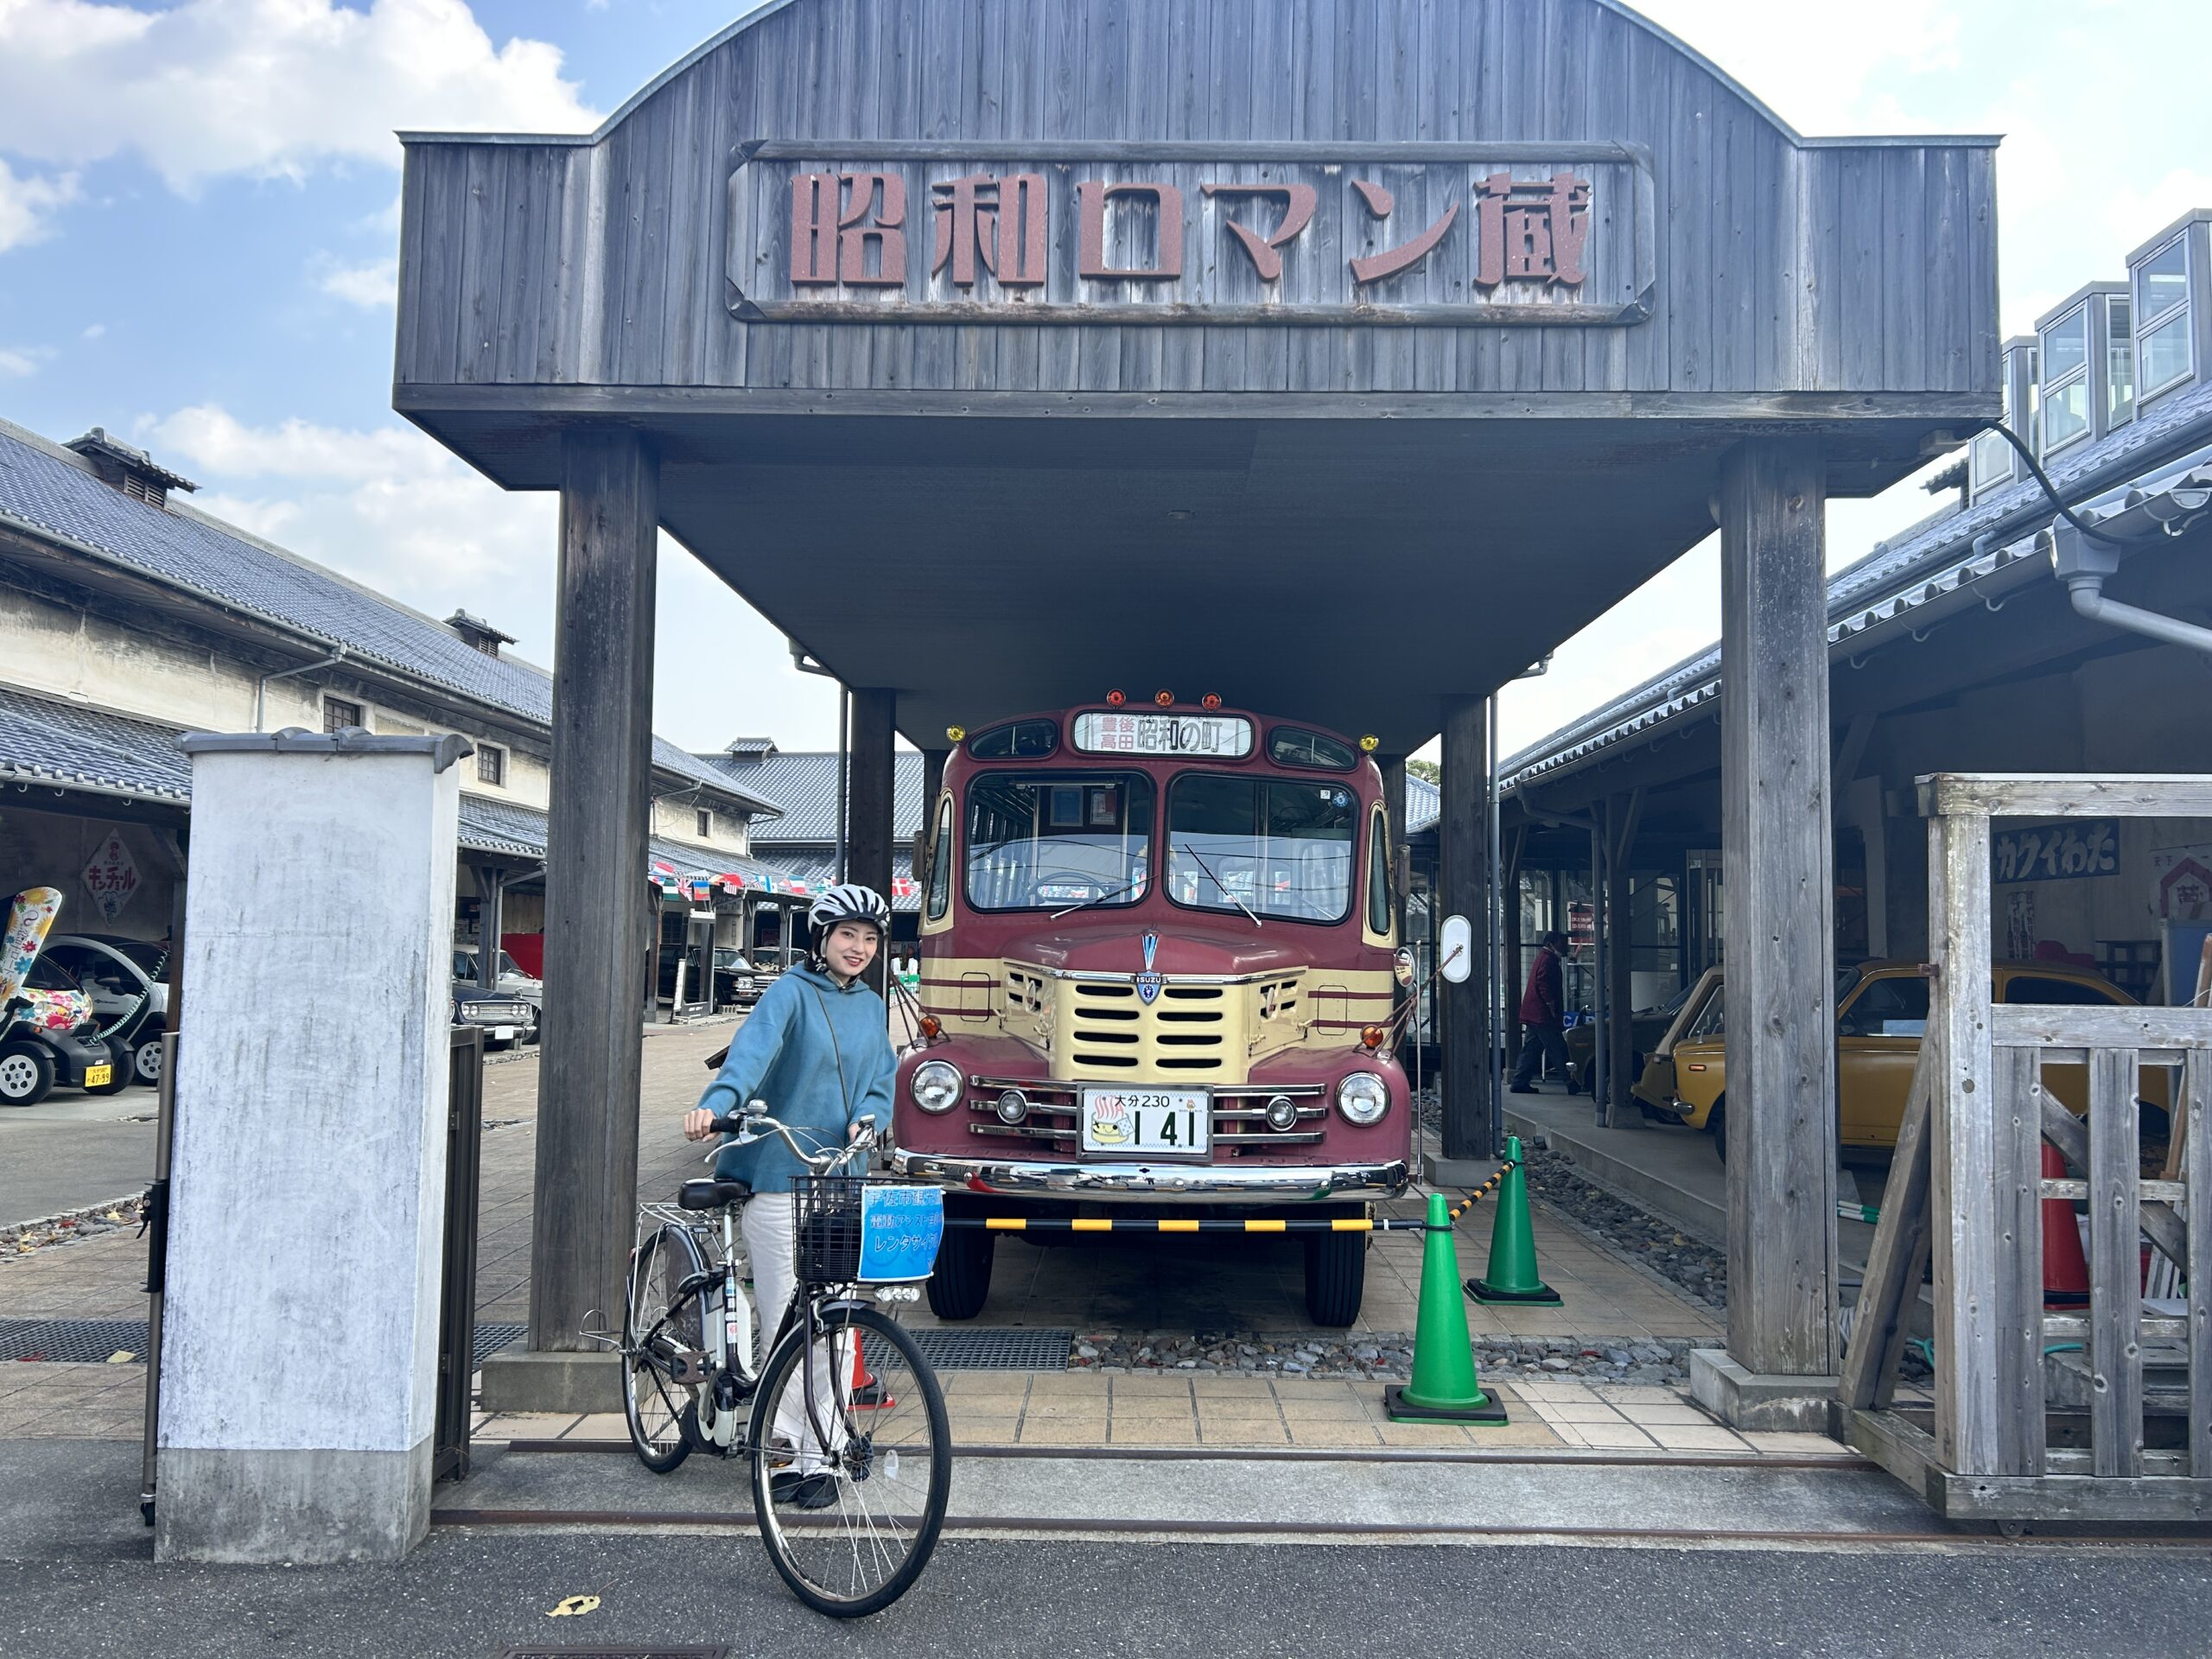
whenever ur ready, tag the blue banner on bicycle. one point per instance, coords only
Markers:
(899, 1229)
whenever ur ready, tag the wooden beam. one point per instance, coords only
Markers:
(2062, 795)
(1898, 1258)
(1616, 1109)
(1463, 1009)
(2161, 1224)
(2016, 1298)
(2192, 1120)
(868, 832)
(1776, 856)
(597, 925)
(2116, 1271)
(2101, 1025)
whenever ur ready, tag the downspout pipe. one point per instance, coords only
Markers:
(261, 687)
(2084, 563)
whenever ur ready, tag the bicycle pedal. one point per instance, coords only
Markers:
(691, 1369)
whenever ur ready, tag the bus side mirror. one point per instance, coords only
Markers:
(1401, 875)
(922, 846)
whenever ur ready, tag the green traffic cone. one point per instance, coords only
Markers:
(1443, 1389)
(1512, 1276)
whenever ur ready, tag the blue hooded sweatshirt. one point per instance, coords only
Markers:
(789, 1052)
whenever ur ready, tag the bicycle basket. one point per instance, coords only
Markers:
(848, 1230)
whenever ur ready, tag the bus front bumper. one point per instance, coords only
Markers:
(1182, 1183)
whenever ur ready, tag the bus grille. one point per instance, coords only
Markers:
(1183, 1033)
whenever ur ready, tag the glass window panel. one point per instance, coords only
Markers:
(941, 861)
(2065, 414)
(1378, 878)
(2066, 993)
(1025, 854)
(1993, 459)
(1893, 1006)
(2165, 354)
(1274, 848)
(2162, 279)
(2066, 344)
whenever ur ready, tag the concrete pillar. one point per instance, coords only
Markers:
(300, 1334)
(1780, 1367)
(874, 769)
(1463, 1010)
(596, 921)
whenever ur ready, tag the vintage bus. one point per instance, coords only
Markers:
(1160, 959)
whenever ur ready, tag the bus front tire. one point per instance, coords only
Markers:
(1336, 1277)
(962, 1283)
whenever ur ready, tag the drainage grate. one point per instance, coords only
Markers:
(1013, 1349)
(94, 1342)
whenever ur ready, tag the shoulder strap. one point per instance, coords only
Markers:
(836, 1052)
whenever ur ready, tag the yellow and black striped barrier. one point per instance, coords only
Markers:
(1114, 1225)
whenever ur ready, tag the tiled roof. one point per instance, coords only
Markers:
(65, 743)
(806, 785)
(44, 491)
(1422, 804)
(818, 865)
(1932, 560)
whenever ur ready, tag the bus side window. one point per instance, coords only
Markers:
(941, 861)
(1378, 878)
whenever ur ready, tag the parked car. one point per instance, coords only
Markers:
(130, 1003)
(1881, 1011)
(514, 982)
(504, 1017)
(738, 984)
(49, 1038)
(1646, 1027)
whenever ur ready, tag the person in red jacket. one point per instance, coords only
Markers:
(1543, 1015)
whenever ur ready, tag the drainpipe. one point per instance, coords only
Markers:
(261, 690)
(2083, 564)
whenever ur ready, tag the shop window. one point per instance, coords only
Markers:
(338, 715)
(491, 765)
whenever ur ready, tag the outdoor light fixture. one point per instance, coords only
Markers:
(935, 1085)
(1368, 744)
(931, 1026)
(1014, 1106)
(1116, 699)
(1282, 1113)
(1164, 698)
(1370, 1038)
(955, 732)
(1363, 1097)
(1211, 700)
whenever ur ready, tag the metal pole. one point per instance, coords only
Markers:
(1499, 977)
(1599, 944)
(844, 709)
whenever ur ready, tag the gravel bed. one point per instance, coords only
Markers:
(1700, 1273)
(25, 1237)
(1650, 1360)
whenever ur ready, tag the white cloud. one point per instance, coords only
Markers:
(18, 364)
(27, 204)
(373, 285)
(93, 330)
(271, 88)
(1771, 49)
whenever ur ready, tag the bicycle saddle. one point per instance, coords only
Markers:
(707, 1193)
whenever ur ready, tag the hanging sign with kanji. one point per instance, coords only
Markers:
(112, 877)
(1450, 235)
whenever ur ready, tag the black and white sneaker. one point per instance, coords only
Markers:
(803, 1491)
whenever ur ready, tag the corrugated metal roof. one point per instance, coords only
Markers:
(1933, 560)
(48, 741)
(806, 784)
(46, 490)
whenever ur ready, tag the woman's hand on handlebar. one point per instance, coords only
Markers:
(698, 1123)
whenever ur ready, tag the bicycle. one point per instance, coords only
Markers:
(873, 1412)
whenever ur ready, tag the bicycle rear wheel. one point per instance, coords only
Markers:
(888, 1471)
(663, 1413)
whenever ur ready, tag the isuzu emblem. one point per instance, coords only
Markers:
(1148, 982)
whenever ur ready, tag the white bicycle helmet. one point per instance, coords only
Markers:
(849, 901)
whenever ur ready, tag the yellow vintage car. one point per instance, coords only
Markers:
(1881, 1010)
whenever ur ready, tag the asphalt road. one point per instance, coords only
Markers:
(474, 1594)
(72, 1150)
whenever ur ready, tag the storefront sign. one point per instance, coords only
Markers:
(111, 878)
(2182, 884)
(1173, 233)
(2056, 852)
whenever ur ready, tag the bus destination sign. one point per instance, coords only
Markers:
(1222, 736)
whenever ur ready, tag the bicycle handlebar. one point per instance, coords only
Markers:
(750, 1127)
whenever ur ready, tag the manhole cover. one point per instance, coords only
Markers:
(94, 1342)
(1013, 1349)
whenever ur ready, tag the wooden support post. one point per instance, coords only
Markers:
(1777, 868)
(596, 918)
(1601, 1058)
(489, 894)
(1462, 1009)
(868, 826)
(2192, 1120)
(2017, 1295)
(2115, 1272)
(1510, 875)
(1622, 815)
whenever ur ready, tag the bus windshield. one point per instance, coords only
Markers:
(1265, 845)
(1037, 842)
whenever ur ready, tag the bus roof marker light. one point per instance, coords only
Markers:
(1370, 1038)
(955, 732)
(1164, 697)
(1116, 699)
(1211, 700)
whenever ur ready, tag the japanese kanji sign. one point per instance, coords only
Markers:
(1444, 234)
(111, 877)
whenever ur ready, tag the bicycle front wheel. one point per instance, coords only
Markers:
(657, 1325)
(851, 1489)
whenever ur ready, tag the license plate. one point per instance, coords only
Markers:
(503, 1033)
(1147, 1122)
(95, 1076)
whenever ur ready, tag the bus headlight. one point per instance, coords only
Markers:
(1282, 1114)
(1363, 1097)
(935, 1085)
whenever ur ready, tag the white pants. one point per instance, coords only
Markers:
(766, 1223)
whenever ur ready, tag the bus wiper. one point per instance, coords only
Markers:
(1086, 903)
(1184, 847)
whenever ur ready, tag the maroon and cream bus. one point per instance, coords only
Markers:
(1159, 960)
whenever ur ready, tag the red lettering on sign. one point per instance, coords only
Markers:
(1531, 229)
(829, 242)
(1091, 196)
(1298, 203)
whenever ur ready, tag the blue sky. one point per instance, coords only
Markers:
(197, 215)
